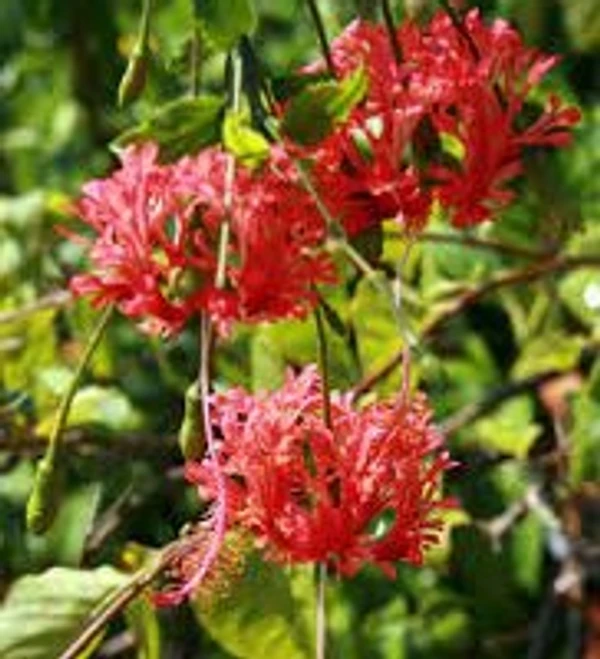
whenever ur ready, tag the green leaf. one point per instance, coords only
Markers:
(43, 613)
(267, 362)
(106, 407)
(510, 430)
(486, 579)
(584, 459)
(527, 551)
(143, 622)
(549, 352)
(580, 293)
(245, 143)
(181, 127)
(314, 112)
(66, 538)
(225, 21)
(265, 615)
(582, 19)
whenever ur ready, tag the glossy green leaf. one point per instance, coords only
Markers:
(43, 613)
(181, 127)
(314, 112)
(225, 21)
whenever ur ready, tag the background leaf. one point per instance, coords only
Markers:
(42, 614)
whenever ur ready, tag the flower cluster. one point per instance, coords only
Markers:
(363, 491)
(446, 123)
(158, 231)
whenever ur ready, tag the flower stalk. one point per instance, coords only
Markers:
(42, 505)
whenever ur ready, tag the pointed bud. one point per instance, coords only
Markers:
(191, 433)
(42, 505)
(134, 79)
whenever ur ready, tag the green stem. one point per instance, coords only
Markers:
(321, 611)
(320, 27)
(224, 235)
(195, 59)
(65, 404)
(42, 503)
(339, 242)
(144, 32)
(324, 367)
(381, 284)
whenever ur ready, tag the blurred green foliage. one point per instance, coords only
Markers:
(515, 378)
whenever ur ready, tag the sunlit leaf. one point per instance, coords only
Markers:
(106, 407)
(548, 352)
(43, 613)
(510, 430)
(264, 615)
(180, 127)
(246, 144)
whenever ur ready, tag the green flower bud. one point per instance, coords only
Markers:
(192, 441)
(42, 505)
(134, 79)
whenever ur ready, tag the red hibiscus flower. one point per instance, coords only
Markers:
(365, 491)
(155, 253)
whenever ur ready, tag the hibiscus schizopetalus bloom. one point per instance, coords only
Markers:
(155, 252)
(366, 491)
(466, 88)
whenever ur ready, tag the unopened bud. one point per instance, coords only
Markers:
(191, 437)
(134, 79)
(42, 505)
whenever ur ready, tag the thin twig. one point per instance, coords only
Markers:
(225, 229)
(195, 62)
(43, 499)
